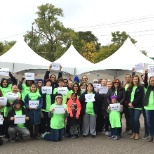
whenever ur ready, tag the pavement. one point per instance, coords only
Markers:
(99, 145)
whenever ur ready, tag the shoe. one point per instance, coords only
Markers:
(107, 133)
(136, 136)
(84, 135)
(13, 140)
(132, 136)
(145, 137)
(93, 136)
(150, 139)
(116, 138)
(111, 136)
(42, 136)
(73, 137)
(76, 135)
(37, 138)
(1, 142)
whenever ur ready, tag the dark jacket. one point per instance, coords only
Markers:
(138, 97)
(121, 94)
(83, 103)
(12, 114)
(34, 114)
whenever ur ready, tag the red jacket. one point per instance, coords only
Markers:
(69, 103)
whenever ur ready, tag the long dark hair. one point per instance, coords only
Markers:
(132, 84)
(115, 80)
(91, 86)
(78, 91)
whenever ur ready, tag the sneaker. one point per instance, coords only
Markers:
(145, 137)
(37, 138)
(1, 141)
(13, 140)
(116, 138)
(110, 136)
(93, 136)
(107, 133)
(76, 135)
(42, 136)
(73, 137)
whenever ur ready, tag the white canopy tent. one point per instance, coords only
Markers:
(22, 57)
(125, 58)
(74, 63)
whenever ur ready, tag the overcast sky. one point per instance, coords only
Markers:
(102, 17)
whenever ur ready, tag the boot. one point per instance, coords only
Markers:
(132, 136)
(150, 139)
(136, 136)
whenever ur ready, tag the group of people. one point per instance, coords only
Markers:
(82, 109)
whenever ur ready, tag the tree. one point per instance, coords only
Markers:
(144, 52)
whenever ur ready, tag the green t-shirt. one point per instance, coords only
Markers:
(19, 112)
(132, 96)
(126, 86)
(48, 103)
(34, 96)
(25, 91)
(115, 93)
(65, 97)
(115, 119)
(57, 120)
(150, 105)
(7, 109)
(4, 93)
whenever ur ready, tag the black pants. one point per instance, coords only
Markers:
(127, 118)
(106, 123)
(34, 130)
(45, 123)
(99, 122)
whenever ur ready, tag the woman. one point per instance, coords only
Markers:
(89, 110)
(149, 106)
(83, 87)
(135, 98)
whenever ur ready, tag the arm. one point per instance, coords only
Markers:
(78, 109)
(40, 103)
(60, 72)
(46, 76)
(13, 79)
(20, 83)
(26, 101)
(146, 79)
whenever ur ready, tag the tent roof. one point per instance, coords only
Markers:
(71, 60)
(22, 57)
(125, 58)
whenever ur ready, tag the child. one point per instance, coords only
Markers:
(57, 121)
(115, 120)
(34, 113)
(21, 129)
(74, 109)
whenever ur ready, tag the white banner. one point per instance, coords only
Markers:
(89, 97)
(55, 66)
(115, 107)
(59, 109)
(1, 119)
(33, 104)
(139, 67)
(3, 101)
(29, 76)
(19, 119)
(46, 90)
(96, 86)
(11, 96)
(62, 90)
(4, 71)
(103, 90)
(151, 69)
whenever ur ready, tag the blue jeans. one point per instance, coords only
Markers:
(56, 135)
(116, 131)
(150, 121)
(145, 124)
(134, 119)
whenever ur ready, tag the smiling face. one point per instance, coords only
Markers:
(135, 81)
(33, 88)
(89, 88)
(151, 81)
(14, 89)
(103, 82)
(4, 83)
(128, 78)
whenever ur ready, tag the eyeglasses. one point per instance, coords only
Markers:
(84, 78)
(116, 82)
(95, 82)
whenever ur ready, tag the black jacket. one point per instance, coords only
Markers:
(83, 103)
(12, 114)
(121, 94)
(138, 97)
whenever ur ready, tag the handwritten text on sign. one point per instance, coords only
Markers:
(1, 119)
(4, 71)
(33, 104)
(11, 96)
(46, 90)
(55, 66)
(62, 90)
(19, 119)
(3, 101)
(103, 90)
(29, 76)
(89, 97)
(96, 86)
(139, 67)
(115, 107)
(59, 109)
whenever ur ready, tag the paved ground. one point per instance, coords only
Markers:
(99, 145)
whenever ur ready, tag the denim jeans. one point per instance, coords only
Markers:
(145, 124)
(134, 119)
(150, 121)
(56, 135)
(116, 131)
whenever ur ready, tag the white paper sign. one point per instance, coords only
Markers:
(96, 86)
(4, 71)
(29, 76)
(151, 69)
(62, 90)
(11, 96)
(55, 66)
(1, 119)
(115, 107)
(33, 104)
(3, 101)
(19, 119)
(139, 67)
(103, 90)
(59, 109)
(46, 90)
(89, 97)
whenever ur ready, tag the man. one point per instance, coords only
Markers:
(84, 79)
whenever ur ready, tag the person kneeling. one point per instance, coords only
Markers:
(18, 128)
(58, 114)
